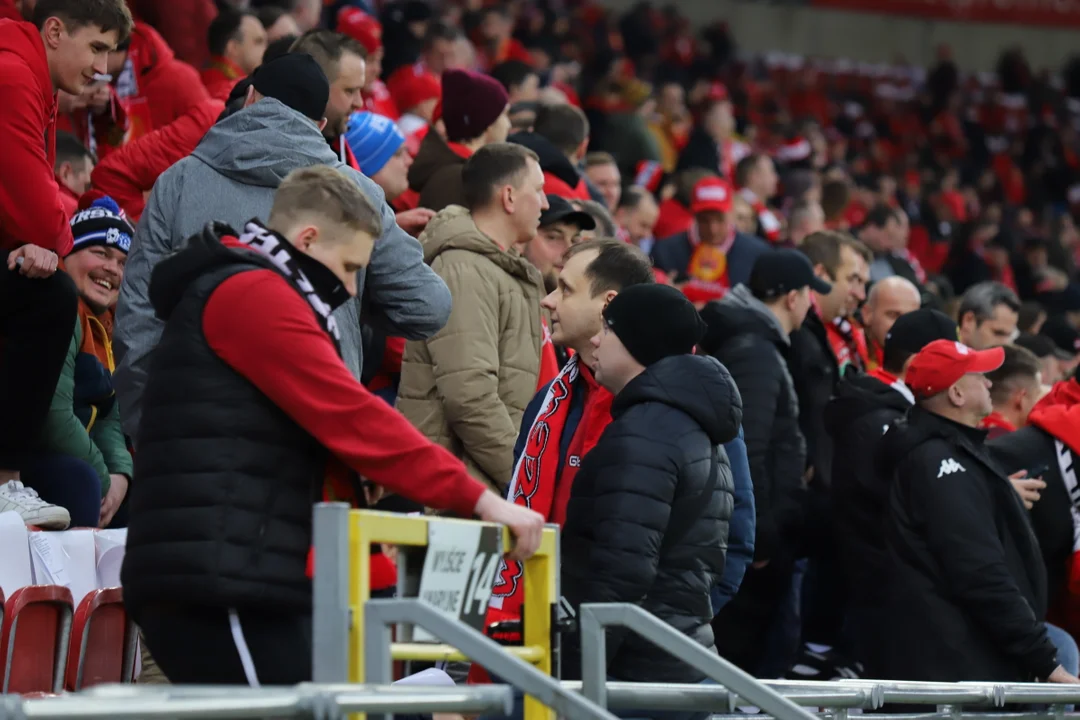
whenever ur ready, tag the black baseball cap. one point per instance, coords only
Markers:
(560, 210)
(915, 330)
(778, 272)
(1063, 334)
(1041, 346)
(296, 80)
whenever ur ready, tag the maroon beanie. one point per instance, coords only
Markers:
(471, 103)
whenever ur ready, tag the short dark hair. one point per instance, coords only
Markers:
(983, 298)
(745, 167)
(225, 28)
(280, 47)
(617, 266)
(1029, 315)
(598, 158)
(1020, 367)
(633, 196)
(564, 126)
(491, 166)
(512, 73)
(108, 15)
(327, 47)
(70, 149)
(441, 31)
(269, 14)
(824, 248)
(834, 198)
(880, 215)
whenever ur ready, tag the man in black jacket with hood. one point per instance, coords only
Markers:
(857, 417)
(647, 520)
(1049, 446)
(748, 331)
(967, 590)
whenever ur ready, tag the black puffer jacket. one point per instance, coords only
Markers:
(751, 344)
(856, 419)
(638, 526)
(967, 591)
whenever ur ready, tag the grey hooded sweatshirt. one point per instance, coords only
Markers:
(231, 177)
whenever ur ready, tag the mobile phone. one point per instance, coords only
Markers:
(1037, 471)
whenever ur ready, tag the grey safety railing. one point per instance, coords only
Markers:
(595, 618)
(304, 702)
(379, 615)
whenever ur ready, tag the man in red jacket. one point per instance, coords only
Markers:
(68, 43)
(237, 42)
(249, 413)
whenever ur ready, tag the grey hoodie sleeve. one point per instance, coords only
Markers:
(137, 328)
(405, 296)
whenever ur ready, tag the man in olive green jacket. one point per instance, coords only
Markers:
(467, 387)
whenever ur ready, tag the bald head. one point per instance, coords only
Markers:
(888, 299)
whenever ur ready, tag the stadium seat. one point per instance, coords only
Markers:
(34, 639)
(103, 641)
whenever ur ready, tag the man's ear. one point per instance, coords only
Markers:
(52, 31)
(322, 124)
(64, 170)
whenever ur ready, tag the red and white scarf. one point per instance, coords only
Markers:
(768, 224)
(538, 482)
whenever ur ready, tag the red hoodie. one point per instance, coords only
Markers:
(127, 174)
(155, 87)
(8, 10)
(221, 77)
(31, 210)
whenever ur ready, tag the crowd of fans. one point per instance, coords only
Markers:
(542, 209)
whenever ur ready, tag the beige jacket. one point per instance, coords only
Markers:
(467, 387)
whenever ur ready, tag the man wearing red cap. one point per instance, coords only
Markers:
(367, 31)
(711, 256)
(475, 112)
(416, 93)
(967, 595)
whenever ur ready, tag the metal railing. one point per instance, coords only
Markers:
(381, 614)
(305, 702)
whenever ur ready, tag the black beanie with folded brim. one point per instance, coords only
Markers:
(654, 321)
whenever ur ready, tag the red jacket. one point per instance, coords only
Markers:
(182, 23)
(30, 207)
(8, 11)
(221, 77)
(156, 87)
(554, 185)
(377, 100)
(129, 173)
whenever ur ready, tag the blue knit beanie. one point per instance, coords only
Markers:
(373, 139)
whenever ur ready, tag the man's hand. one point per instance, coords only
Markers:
(1060, 675)
(37, 262)
(525, 525)
(414, 221)
(1027, 488)
(111, 502)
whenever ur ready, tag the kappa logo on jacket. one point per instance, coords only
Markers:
(950, 466)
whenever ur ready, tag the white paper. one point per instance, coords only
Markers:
(50, 561)
(81, 558)
(15, 568)
(109, 546)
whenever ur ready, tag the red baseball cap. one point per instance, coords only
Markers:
(938, 366)
(712, 195)
(361, 27)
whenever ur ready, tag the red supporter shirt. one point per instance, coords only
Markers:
(264, 330)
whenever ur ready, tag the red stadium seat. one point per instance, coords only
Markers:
(34, 639)
(103, 642)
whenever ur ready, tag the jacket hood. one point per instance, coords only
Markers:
(172, 276)
(696, 384)
(859, 395)
(551, 159)
(453, 229)
(739, 313)
(1059, 413)
(263, 143)
(148, 49)
(21, 41)
(434, 154)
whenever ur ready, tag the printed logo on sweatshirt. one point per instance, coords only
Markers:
(574, 461)
(950, 466)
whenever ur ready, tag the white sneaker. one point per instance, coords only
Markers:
(35, 511)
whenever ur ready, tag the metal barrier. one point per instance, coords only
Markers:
(595, 618)
(342, 588)
(381, 614)
(306, 702)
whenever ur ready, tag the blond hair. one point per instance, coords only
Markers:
(326, 192)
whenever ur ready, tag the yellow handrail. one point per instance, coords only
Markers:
(368, 526)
